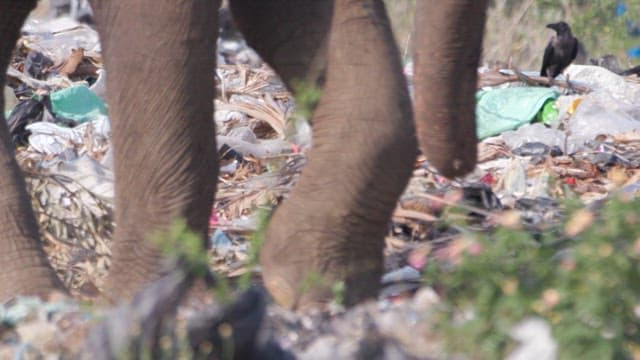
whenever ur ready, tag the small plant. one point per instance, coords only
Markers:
(311, 280)
(338, 289)
(583, 278)
(307, 96)
(184, 246)
(180, 243)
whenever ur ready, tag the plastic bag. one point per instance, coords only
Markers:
(27, 112)
(10, 101)
(505, 109)
(535, 133)
(603, 81)
(600, 113)
(78, 103)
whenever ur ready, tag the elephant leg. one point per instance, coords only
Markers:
(25, 268)
(160, 59)
(448, 45)
(290, 35)
(332, 227)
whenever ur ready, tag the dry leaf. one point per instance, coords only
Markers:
(509, 219)
(618, 175)
(579, 222)
(70, 65)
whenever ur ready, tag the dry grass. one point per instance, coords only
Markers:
(401, 14)
(518, 39)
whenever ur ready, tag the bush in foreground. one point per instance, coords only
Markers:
(583, 278)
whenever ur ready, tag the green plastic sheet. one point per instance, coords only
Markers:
(78, 103)
(500, 110)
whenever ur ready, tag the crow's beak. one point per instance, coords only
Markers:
(553, 26)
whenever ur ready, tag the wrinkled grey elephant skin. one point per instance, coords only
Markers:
(333, 225)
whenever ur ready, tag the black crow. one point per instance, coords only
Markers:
(560, 52)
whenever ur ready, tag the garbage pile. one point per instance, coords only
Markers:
(59, 122)
(586, 141)
(538, 146)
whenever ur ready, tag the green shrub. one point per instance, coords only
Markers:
(582, 278)
(180, 242)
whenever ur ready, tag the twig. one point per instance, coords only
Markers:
(494, 78)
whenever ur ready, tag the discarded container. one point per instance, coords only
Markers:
(78, 103)
(549, 113)
(514, 181)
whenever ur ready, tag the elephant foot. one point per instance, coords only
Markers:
(300, 288)
(31, 279)
(24, 267)
(304, 288)
(326, 242)
(304, 268)
(134, 264)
